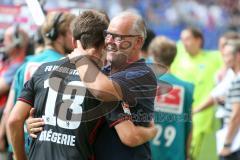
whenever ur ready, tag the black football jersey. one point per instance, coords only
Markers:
(60, 98)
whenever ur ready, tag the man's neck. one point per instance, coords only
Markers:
(95, 56)
(237, 70)
(119, 67)
(56, 47)
(133, 58)
(160, 68)
(195, 53)
(144, 55)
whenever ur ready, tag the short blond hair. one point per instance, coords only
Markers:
(62, 27)
(163, 49)
(235, 44)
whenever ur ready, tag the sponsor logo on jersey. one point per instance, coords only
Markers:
(126, 109)
(57, 68)
(172, 102)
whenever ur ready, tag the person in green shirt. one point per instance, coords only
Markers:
(199, 66)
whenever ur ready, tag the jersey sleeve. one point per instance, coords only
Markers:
(120, 114)
(27, 93)
(135, 84)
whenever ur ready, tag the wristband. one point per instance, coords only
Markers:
(227, 145)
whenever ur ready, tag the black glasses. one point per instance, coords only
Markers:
(116, 37)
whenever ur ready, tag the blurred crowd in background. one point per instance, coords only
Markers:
(165, 17)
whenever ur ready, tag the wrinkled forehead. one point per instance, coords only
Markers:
(121, 25)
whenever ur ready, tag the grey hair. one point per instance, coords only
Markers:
(235, 44)
(139, 25)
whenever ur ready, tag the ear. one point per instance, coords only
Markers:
(199, 41)
(139, 43)
(238, 55)
(74, 43)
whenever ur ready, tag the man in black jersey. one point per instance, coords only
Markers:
(63, 136)
(58, 95)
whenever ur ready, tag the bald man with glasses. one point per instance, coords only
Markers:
(130, 81)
